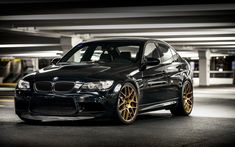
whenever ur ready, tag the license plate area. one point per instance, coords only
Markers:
(57, 106)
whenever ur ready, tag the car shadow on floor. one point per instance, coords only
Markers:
(142, 118)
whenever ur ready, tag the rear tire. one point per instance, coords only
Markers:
(127, 104)
(185, 104)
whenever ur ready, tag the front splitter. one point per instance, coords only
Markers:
(55, 118)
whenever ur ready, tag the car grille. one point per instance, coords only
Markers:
(63, 86)
(60, 86)
(43, 86)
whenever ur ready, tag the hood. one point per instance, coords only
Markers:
(84, 72)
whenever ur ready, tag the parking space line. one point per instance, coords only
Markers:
(8, 84)
(6, 97)
(7, 100)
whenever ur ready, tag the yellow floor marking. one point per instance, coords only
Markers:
(7, 97)
(8, 84)
(6, 100)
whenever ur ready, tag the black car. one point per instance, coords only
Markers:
(114, 78)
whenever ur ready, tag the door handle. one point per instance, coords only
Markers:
(151, 83)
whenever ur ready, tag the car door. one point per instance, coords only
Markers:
(172, 69)
(153, 77)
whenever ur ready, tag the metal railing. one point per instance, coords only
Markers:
(216, 74)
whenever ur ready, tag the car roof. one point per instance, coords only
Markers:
(131, 39)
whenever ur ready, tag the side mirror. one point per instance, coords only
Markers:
(55, 60)
(152, 61)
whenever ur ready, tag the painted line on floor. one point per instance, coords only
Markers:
(8, 84)
(6, 97)
(6, 100)
(10, 89)
(6, 106)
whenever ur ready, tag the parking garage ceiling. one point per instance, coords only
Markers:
(38, 25)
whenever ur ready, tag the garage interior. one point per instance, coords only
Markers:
(33, 32)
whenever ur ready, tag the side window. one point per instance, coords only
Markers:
(151, 51)
(165, 53)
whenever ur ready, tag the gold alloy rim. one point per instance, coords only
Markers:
(188, 98)
(127, 103)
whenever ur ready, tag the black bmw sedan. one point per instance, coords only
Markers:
(114, 78)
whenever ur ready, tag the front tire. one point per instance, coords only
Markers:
(185, 104)
(127, 104)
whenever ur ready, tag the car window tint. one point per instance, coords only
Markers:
(132, 50)
(119, 52)
(151, 51)
(97, 53)
(165, 53)
(80, 55)
(77, 56)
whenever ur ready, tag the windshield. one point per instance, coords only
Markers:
(106, 52)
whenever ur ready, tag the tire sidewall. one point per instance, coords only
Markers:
(181, 97)
(119, 117)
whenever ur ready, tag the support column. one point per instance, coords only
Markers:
(204, 67)
(233, 68)
(35, 63)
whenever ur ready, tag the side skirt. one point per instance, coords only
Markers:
(157, 106)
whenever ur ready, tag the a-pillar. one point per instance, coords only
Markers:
(204, 67)
(69, 42)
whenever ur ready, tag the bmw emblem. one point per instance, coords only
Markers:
(55, 78)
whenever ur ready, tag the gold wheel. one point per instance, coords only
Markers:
(127, 103)
(188, 97)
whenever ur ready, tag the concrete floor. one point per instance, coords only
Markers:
(212, 123)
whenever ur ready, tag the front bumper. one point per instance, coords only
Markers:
(54, 118)
(70, 106)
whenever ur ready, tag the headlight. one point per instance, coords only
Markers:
(101, 85)
(23, 85)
